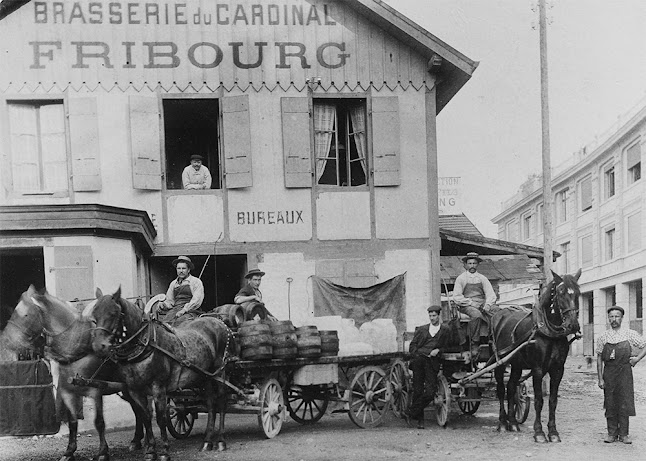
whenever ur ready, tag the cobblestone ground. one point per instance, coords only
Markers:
(579, 418)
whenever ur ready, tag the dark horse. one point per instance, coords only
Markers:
(40, 314)
(156, 358)
(546, 327)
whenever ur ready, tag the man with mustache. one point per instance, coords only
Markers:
(615, 374)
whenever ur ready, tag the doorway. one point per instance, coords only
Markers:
(19, 268)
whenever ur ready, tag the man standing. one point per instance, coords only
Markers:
(475, 297)
(196, 175)
(185, 294)
(426, 346)
(615, 374)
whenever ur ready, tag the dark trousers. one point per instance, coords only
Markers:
(617, 425)
(425, 370)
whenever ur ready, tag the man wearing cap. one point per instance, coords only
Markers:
(426, 346)
(475, 297)
(615, 374)
(250, 291)
(196, 175)
(185, 294)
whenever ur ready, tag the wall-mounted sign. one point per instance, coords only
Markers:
(449, 195)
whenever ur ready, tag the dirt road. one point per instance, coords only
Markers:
(579, 418)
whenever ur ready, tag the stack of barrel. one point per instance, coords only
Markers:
(255, 341)
(315, 343)
(284, 340)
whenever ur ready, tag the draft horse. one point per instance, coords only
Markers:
(40, 315)
(156, 359)
(553, 318)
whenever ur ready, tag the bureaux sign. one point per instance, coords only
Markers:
(202, 34)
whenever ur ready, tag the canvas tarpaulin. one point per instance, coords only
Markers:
(385, 300)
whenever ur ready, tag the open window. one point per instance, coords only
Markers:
(191, 127)
(340, 142)
(634, 163)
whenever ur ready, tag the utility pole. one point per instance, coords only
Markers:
(547, 173)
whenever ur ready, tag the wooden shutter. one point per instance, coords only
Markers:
(586, 194)
(236, 133)
(145, 145)
(84, 137)
(385, 141)
(297, 149)
(73, 272)
(586, 251)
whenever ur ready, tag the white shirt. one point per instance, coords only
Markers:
(433, 329)
(615, 337)
(196, 179)
(476, 278)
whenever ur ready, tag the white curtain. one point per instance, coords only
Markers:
(324, 122)
(358, 117)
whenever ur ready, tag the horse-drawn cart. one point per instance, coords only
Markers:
(366, 386)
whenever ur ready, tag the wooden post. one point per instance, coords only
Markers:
(547, 174)
(434, 240)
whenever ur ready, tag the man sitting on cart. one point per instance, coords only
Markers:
(185, 294)
(426, 348)
(250, 293)
(476, 298)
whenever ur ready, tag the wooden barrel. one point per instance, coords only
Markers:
(253, 309)
(284, 340)
(231, 314)
(255, 341)
(329, 342)
(308, 341)
(27, 399)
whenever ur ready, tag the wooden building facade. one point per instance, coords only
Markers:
(316, 119)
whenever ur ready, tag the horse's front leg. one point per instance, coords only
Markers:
(555, 381)
(512, 387)
(135, 443)
(99, 425)
(71, 403)
(221, 406)
(143, 413)
(537, 384)
(499, 374)
(210, 423)
(161, 411)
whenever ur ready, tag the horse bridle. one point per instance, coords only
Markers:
(554, 302)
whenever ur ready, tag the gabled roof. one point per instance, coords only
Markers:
(455, 70)
(458, 223)
(451, 68)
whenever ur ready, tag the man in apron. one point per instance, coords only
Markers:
(615, 374)
(475, 297)
(185, 294)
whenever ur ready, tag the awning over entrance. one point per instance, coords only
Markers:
(501, 268)
(89, 219)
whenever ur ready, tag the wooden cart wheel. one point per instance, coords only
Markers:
(306, 404)
(180, 422)
(370, 397)
(443, 401)
(523, 402)
(272, 408)
(470, 407)
(402, 390)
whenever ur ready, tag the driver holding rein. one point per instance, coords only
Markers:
(185, 293)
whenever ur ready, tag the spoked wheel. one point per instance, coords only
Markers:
(470, 406)
(306, 404)
(523, 402)
(400, 382)
(272, 408)
(443, 401)
(180, 422)
(369, 397)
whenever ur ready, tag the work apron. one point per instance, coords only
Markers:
(618, 391)
(475, 292)
(182, 294)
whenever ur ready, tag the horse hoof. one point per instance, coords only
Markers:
(103, 458)
(134, 446)
(514, 428)
(150, 456)
(555, 438)
(540, 438)
(222, 446)
(208, 446)
(502, 428)
(68, 458)
(164, 457)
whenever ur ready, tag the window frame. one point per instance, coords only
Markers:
(640, 245)
(581, 248)
(367, 105)
(5, 133)
(631, 170)
(527, 224)
(561, 205)
(217, 184)
(609, 181)
(580, 184)
(609, 243)
(565, 248)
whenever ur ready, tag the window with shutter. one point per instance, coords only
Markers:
(145, 145)
(190, 129)
(586, 251)
(236, 134)
(633, 163)
(297, 149)
(634, 232)
(386, 141)
(609, 182)
(84, 141)
(585, 193)
(38, 148)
